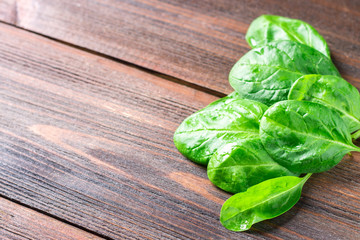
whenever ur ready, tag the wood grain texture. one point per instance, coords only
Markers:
(18, 222)
(8, 11)
(90, 140)
(197, 41)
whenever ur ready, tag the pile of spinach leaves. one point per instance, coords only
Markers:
(291, 114)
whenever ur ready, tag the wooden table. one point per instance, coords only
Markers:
(91, 93)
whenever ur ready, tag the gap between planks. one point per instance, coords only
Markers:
(129, 64)
(46, 214)
(91, 52)
(119, 61)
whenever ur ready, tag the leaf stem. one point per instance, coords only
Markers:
(355, 135)
(355, 149)
(306, 177)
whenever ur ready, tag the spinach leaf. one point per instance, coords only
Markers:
(269, 28)
(263, 201)
(227, 120)
(305, 137)
(267, 73)
(332, 91)
(238, 166)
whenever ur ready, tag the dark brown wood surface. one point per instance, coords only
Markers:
(19, 222)
(88, 111)
(196, 41)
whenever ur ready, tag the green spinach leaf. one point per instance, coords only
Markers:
(305, 137)
(226, 120)
(238, 166)
(269, 28)
(258, 152)
(263, 201)
(332, 91)
(267, 73)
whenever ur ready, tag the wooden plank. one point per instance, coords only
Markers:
(90, 140)
(19, 222)
(8, 11)
(197, 41)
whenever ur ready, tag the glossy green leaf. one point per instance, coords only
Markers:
(332, 91)
(263, 201)
(269, 28)
(226, 120)
(305, 137)
(266, 74)
(238, 166)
